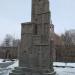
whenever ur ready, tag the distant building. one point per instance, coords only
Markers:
(59, 46)
(69, 53)
(64, 53)
(57, 40)
(8, 52)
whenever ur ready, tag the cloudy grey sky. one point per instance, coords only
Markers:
(14, 12)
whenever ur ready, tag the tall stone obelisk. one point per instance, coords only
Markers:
(35, 54)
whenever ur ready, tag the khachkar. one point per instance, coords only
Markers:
(35, 55)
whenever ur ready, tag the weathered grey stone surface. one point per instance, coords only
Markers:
(34, 56)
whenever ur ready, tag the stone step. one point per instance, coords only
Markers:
(17, 71)
(17, 74)
(23, 68)
(28, 71)
(20, 71)
(52, 73)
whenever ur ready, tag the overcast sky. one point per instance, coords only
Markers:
(14, 12)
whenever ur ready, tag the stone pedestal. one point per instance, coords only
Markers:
(29, 71)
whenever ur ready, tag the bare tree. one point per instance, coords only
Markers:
(15, 42)
(7, 41)
(10, 41)
(67, 39)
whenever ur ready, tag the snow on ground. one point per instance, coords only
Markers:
(10, 66)
(64, 71)
(64, 68)
(61, 68)
(62, 64)
(16, 64)
(58, 64)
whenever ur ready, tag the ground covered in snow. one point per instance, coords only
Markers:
(60, 67)
(7, 66)
(64, 68)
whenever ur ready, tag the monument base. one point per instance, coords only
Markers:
(29, 71)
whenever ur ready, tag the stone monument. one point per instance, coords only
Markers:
(35, 54)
